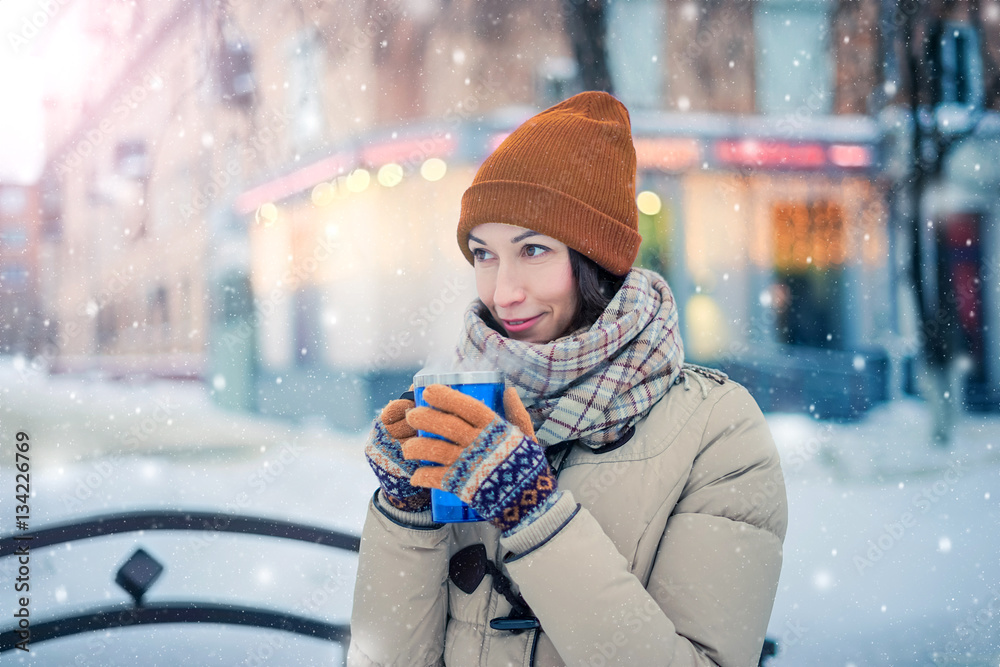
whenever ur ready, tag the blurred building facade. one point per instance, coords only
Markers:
(22, 255)
(123, 157)
(26, 232)
(265, 197)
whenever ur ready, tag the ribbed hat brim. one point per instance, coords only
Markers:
(599, 237)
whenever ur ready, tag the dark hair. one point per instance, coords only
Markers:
(595, 288)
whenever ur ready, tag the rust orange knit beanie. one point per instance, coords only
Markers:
(568, 173)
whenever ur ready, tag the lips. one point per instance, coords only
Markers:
(519, 325)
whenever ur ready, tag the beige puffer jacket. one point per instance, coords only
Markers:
(672, 557)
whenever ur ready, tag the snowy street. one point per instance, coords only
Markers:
(891, 554)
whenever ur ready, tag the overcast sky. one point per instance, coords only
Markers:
(26, 30)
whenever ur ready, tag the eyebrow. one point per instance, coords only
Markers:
(516, 239)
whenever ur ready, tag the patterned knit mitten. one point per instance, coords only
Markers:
(495, 466)
(385, 455)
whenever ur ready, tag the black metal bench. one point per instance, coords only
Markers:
(139, 572)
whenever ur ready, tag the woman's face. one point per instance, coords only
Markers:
(525, 280)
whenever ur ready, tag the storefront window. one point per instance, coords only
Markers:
(793, 73)
(636, 29)
(305, 93)
(960, 301)
(307, 326)
(809, 255)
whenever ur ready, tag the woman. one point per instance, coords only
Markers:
(636, 508)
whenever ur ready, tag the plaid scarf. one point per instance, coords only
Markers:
(592, 384)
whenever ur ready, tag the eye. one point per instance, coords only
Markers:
(480, 254)
(535, 250)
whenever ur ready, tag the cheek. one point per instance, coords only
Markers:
(560, 288)
(485, 287)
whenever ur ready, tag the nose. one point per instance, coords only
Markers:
(509, 288)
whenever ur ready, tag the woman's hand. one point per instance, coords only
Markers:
(492, 464)
(385, 455)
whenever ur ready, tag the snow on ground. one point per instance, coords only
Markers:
(891, 556)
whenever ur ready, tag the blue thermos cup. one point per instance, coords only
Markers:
(486, 386)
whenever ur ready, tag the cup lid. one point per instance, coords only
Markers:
(458, 377)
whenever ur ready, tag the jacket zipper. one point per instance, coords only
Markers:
(534, 645)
